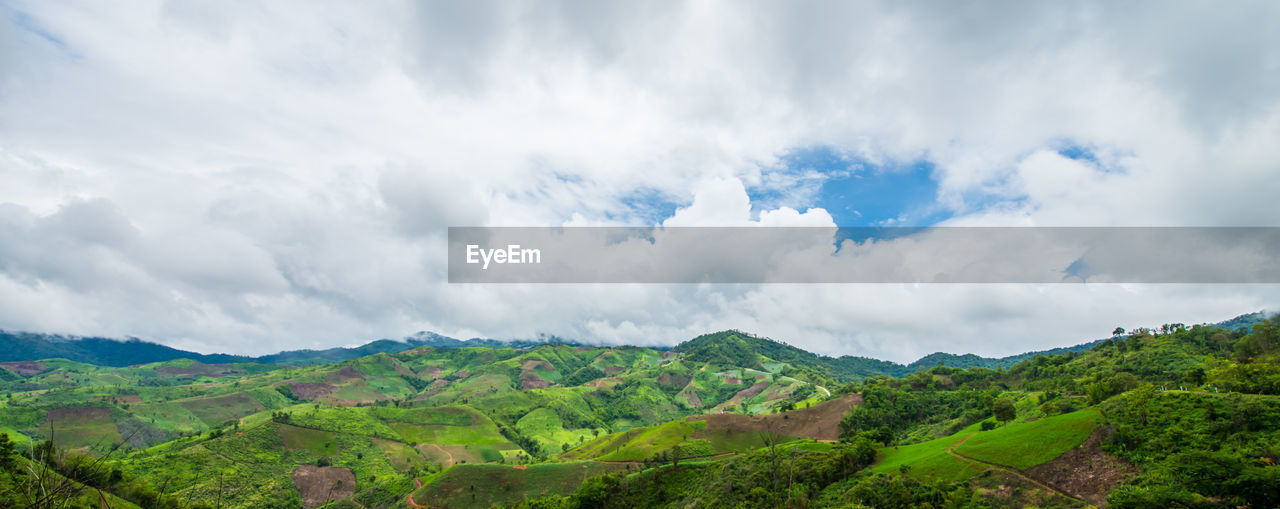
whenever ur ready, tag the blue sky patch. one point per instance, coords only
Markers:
(28, 24)
(859, 193)
(1078, 152)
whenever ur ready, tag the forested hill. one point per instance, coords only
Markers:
(737, 348)
(27, 346)
(974, 361)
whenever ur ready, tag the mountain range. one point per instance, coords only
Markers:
(101, 351)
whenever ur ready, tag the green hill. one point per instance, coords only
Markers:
(722, 418)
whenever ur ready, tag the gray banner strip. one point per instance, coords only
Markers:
(864, 255)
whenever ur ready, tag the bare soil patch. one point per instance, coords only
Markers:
(24, 368)
(347, 372)
(671, 380)
(693, 398)
(820, 422)
(603, 383)
(613, 370)
(751, 392)
(309, 391)
(1087, 471)
(321, 485)
(531, 364)
(81, 415)
(603, 354)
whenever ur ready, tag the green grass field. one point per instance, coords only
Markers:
(546, 427)
(82, 427)
(217, 411)
(1020, 445)
(315, 442)
(16, 437)
(929, 460)
(651, 441)
(437, 434)
(1025, 445)
(401, 456)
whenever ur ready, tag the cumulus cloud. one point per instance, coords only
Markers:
(724, 202)
(248, 178)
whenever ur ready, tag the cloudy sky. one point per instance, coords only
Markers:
(250, 177)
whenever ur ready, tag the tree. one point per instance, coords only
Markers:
(1124, 381)
(1004, 410)
(6, 453)
(1195, 377)
(1099, 391)
(1118, 332)
(1139, 400)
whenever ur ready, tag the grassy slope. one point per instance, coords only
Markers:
(929, 460)
(1021, 445)
(1025, 445)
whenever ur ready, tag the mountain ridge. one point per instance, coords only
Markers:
(18, 346)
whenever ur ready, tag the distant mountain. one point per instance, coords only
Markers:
(737, 348)
(1246, 321)
(25, 346)
(420, 339)
(730, 348)
(974, 361)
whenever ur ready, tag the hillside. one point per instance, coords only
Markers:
(722, 417)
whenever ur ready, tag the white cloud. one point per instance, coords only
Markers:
(256, 177)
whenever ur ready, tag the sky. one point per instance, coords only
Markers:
(251, 177)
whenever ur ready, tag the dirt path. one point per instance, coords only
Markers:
(446, 453)
(824, 390)
(1009, 469)
(408, 499)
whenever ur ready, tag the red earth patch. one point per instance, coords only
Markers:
(321, 485)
